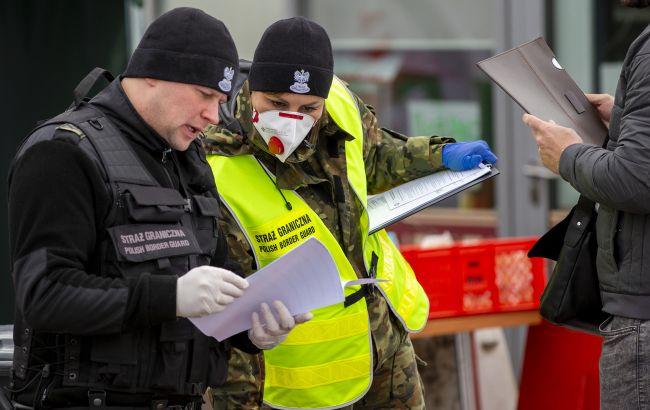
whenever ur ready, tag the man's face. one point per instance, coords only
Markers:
(178, 112)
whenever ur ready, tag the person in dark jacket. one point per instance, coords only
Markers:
(114, 235)
(617, 178)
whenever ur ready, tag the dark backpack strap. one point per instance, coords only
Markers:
(227, 109)
(84, 86)
(585, 206)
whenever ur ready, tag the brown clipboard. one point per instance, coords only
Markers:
(532, 77)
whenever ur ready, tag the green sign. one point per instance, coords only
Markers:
(458, 119)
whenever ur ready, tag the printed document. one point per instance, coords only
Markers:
(304, 279)
(391, 206)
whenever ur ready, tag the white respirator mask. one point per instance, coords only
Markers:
(283, 131)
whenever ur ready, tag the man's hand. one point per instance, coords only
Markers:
(603, 103)
(206, 289)
(272, 333)
(551, 139)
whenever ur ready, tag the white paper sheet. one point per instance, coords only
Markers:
(304, 279)
(399, 202)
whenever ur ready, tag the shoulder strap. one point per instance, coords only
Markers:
(227, 109)
(83, 88)
(113, 152)
(44, 130)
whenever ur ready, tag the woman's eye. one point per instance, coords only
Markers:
(277, 104)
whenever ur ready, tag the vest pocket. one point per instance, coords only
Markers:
(207, 206)
(207, 212)
(172, 364)
(154, 204)
(218, 364)
(114, 361)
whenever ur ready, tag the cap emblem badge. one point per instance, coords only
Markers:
(300, 86)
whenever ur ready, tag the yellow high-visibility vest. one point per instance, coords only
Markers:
(326, 362)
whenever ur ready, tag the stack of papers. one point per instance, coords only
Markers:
(396, 204)
(304, 279)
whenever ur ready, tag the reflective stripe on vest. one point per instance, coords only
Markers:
(324, 363)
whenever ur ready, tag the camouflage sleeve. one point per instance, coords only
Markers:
(239, 251)
(218, 140)
(392, 158)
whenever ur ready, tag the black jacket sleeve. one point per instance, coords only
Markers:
(618, 178)
(57, 202)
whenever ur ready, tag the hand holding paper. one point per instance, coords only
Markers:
(274, 331)
(205, 290)
(304, 279)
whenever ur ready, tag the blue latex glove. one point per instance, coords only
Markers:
(462, 156)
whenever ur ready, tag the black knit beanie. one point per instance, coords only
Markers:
(186, 45)
(294, 55)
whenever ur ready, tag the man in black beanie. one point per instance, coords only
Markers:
(114, 240)
(300, 160)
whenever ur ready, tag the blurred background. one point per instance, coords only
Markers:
(414, 61)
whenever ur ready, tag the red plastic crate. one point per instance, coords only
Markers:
(476, 267)
(520, 280)
(437, 272)
(489, 276)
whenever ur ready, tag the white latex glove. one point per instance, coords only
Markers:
(206, 289)
(272, 332)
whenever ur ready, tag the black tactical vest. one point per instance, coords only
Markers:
(149, 229)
